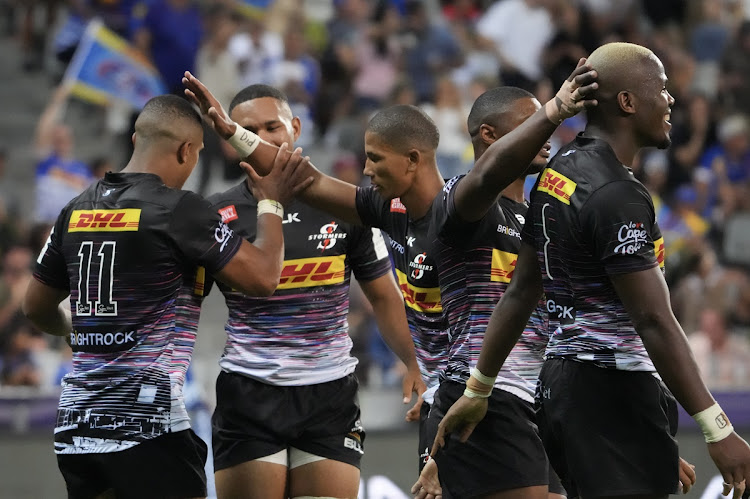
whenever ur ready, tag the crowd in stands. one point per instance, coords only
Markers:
(340, 60)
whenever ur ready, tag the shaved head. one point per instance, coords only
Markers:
(168, 117)
(490, 107)
(405, 127)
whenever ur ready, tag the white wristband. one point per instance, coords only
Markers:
(243, 141)
(714, 424)
(270, 206)
(468, 392)
(482, 378)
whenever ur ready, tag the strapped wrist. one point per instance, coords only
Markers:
(243, 141)
(270, 206)
(714, 424)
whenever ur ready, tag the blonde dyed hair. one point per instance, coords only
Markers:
(621, 64)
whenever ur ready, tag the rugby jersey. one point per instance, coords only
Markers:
(591, 218)
(476, 265)
(414, 250)
(300, 334)
(128, 249)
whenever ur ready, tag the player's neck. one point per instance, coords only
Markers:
(143, 162)
(419, 198)
(514, 191)
(622, 142)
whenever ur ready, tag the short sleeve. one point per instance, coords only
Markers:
(450, 227)
(375, 211)
(368, 254)
(618, 220)
(200, 235)
(51, 268)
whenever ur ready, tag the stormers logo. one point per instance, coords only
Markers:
(557, 185)
(104, 220)
(659, 250)
(307, 272)
(419, 267)
(503, 266)
(419, 299)
(327, 236)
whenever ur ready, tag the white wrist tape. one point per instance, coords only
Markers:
(482, 378)
(270, 206)
(714, 424)
(468, 392)
(243, 141)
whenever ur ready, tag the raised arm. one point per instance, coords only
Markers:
(509, 156)
(506, 325)
(324, 192)
(646, 299)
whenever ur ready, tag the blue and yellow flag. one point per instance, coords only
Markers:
(106, 66)
(254, 8)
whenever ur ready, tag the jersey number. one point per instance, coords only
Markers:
(104, 305)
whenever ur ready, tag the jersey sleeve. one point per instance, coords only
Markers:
(200, 235)
(51, 268)
(368, 255)
(449, 226)
(618, 220)
(373, 210)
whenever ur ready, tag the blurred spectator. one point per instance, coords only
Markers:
(707, 43)
(735, 72)
(15, 276)
(257, 51)
(723, 357)
(59, 176)
(378, 58)
(449, 115)
(100, 166)
(729, 159)
(565, 49)
(430, 50)
(519, 30)
(691, 120)
(218, 69)
(169, 33)
(33, 39)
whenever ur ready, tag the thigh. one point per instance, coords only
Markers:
(168, 466)
(84, 478)
(603, 409)
(504, 453)
(324, 478)
(333, 429)
(251, 420)
(252, 480)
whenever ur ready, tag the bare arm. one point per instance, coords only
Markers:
(388, 304)
(509, 156)
(506, 325)
(49, 119)
(325, 193)
(646, 299)
(41, 305)
(512, 312)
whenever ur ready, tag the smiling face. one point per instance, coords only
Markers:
(391, 172)
(654, 106)
(271, 119)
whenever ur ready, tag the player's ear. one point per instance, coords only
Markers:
(414, 156)
(487, 133)
(296, 127)
(626, 102)
(183, 152)
(132, 139)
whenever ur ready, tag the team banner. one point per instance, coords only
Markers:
(106, 66)
(254, 8)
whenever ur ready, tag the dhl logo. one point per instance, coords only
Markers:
(659, 250)
(126, 220)
(503, 266)
(307, 272)
(419, 299)
(557, 185)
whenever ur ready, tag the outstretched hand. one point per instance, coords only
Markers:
(575, 95)
(282, 183)
(463, 416)
(428, 484)
(210, 107)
